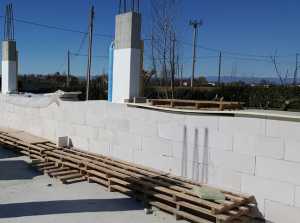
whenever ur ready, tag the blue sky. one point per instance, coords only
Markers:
(258, 27)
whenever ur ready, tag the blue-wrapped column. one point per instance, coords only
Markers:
(110, 71)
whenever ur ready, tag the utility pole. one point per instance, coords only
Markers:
(296, 70)
(220, 68)
(195, 24)
(68, 72)
(181, 74)
(172, 57)
(90, 47)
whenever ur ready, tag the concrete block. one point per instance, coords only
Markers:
(186, 152)
(292, 150)
(145, 115)
(166, 117)
(141, 128)
(126, 141)
(96, 115)
(35, 126)
(233, 161)
(74, 112)
(115, 110)
(64, 129)
(157, 146)
(285, 129)
(175, 166)
(79, 142)
(125, 153)
(99, 147)
(63, 141)
(29, 112)
(242, 125)
(222, 178)
(280, 170)
(219, 140)
(157, 162)
(7, 120)
(259, 145)
(173, 131)
(49, 112)
(116, 124)
(85, 131)
(199, 121)
(49, 129)
(268, 189)
(280, 213)
(106, 135)
(297, 196)
(187, 169)
(153, 117)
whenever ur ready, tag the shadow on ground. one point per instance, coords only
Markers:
(14, 169)
(6, 153)
(67, 206)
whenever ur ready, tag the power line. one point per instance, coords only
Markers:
(230, 52)
(85, 55)
(59, 28)
(146, 39)
(81, 43)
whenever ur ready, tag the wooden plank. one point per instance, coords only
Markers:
(68, 176)
(192, 217)
(57, 169)
(47, 168)
(44, 164)
(96, 173)
(61, 173)
(27, 137)
(98, 180)
(74, 180)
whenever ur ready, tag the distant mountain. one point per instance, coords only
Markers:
(249, 80)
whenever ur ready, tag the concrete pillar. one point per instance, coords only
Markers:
(127, 57)
(9, 67)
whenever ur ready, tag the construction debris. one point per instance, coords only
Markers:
(211, 194)
(171, 194)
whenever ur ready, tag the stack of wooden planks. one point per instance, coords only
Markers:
(194, 104)
(172, 194)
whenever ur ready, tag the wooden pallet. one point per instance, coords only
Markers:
(194, 104)
(172, 194)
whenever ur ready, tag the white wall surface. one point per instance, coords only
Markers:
(9, 76)
(249, 155)
(126, 74)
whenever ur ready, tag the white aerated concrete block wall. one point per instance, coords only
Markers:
(248, 155)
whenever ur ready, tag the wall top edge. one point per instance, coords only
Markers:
(247, 113)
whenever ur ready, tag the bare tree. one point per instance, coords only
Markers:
(274, 61)
(164, 33)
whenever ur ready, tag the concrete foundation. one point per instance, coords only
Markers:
(259, 156)
(127, 57)
(9, 67)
